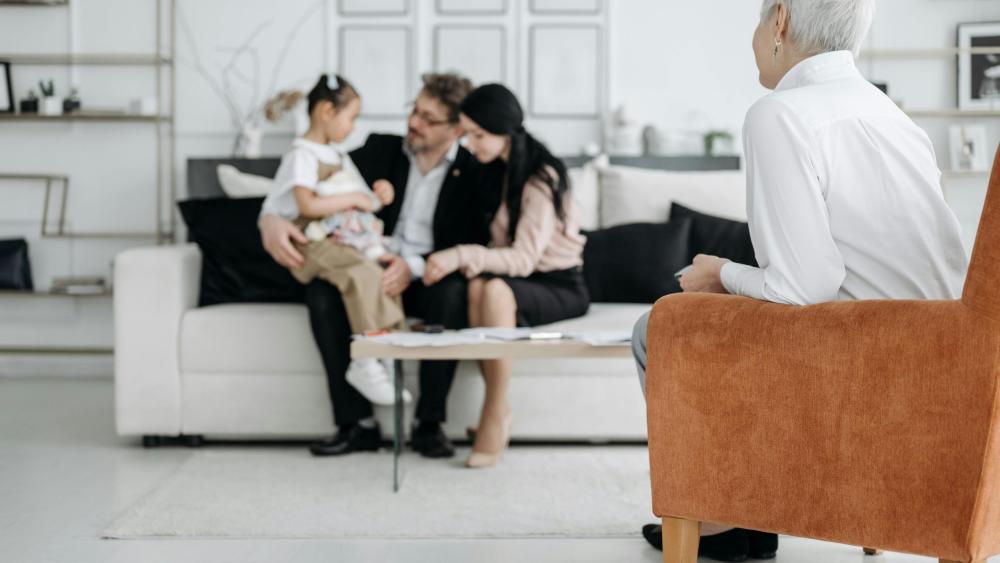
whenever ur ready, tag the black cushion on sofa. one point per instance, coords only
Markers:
(716, 236)
(235, 267)
(635, 263)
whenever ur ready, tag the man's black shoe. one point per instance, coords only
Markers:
(763, 545)
(729, 546)
(353, 438)
(429, 441)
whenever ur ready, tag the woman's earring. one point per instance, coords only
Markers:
(777, 44)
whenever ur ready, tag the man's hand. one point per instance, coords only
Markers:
(396, 276)
(440, 265)
(705, 276)
(384, 191)
(278, 235)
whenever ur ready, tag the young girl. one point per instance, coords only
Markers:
(319, 188)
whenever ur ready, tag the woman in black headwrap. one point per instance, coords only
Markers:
(531, 274)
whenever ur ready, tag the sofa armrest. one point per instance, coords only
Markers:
(864, 422)
(152, 290)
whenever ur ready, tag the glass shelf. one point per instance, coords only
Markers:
(86, 116)
(86, 59)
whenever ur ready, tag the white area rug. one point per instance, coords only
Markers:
(535, 492)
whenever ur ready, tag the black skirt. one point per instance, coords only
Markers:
(547, 297)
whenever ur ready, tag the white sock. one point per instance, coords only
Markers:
(367, 422)
(365, 363)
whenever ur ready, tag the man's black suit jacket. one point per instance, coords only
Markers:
(467, 202)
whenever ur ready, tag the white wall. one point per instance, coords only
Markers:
(681, 66)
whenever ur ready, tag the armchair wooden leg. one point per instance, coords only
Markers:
(872, 551)
(950, 561)
(680, 540)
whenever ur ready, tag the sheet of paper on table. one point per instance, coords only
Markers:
(487, 335)
(422, 339)
(603, 337)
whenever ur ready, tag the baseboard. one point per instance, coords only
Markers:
(57, 365)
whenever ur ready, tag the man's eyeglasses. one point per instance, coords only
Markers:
(428, 120)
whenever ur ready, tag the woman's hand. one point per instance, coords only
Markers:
(705, 275)
(384, 191)
(440, 265)
(278, 235)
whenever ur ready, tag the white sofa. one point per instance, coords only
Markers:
(252, 371)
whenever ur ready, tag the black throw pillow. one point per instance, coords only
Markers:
(235, 267)
(716, 236)
(635, 263)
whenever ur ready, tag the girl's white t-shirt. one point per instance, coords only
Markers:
(300, 167)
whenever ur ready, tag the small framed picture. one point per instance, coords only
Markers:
(968, 147)
(6, 91)
(979, 72)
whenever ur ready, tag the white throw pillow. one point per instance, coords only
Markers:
(585, 182)
(238, 184)
(638, 195)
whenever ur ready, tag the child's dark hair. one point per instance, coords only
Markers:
(335, 90)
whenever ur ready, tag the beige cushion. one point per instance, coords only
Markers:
(635, 195)
(248, 338)
(238, 184)
(585, 182)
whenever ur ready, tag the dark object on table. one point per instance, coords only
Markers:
(15, 268)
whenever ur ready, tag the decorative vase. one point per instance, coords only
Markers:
(248, 142)
(50, 105)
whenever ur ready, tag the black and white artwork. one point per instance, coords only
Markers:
(6, 91)
(979, 72)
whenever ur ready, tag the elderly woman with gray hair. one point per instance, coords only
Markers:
(843, 195)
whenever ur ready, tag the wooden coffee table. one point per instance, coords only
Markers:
(488, 350)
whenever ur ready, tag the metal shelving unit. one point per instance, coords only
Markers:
(162, 62)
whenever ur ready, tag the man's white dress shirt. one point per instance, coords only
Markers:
(844, 195)
(413, 236)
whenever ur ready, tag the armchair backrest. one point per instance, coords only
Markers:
(982, 285)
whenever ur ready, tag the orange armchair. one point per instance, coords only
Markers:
(872, 423)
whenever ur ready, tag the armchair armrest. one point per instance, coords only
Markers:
(153, 288)
(864, 422)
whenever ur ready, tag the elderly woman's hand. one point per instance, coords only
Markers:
(278, 235)
(440, 265)
(705, 275)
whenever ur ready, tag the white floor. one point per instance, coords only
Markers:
(64, 476)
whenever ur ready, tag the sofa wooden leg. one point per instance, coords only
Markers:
(680, 540)
(872, 551)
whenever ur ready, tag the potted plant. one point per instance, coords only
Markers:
(50, 105)
(711, 139)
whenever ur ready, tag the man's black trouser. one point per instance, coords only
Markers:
(445, 303)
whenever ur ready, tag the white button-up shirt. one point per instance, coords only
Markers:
(844, 195)
(414, 232)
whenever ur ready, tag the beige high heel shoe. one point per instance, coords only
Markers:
(480, 460)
